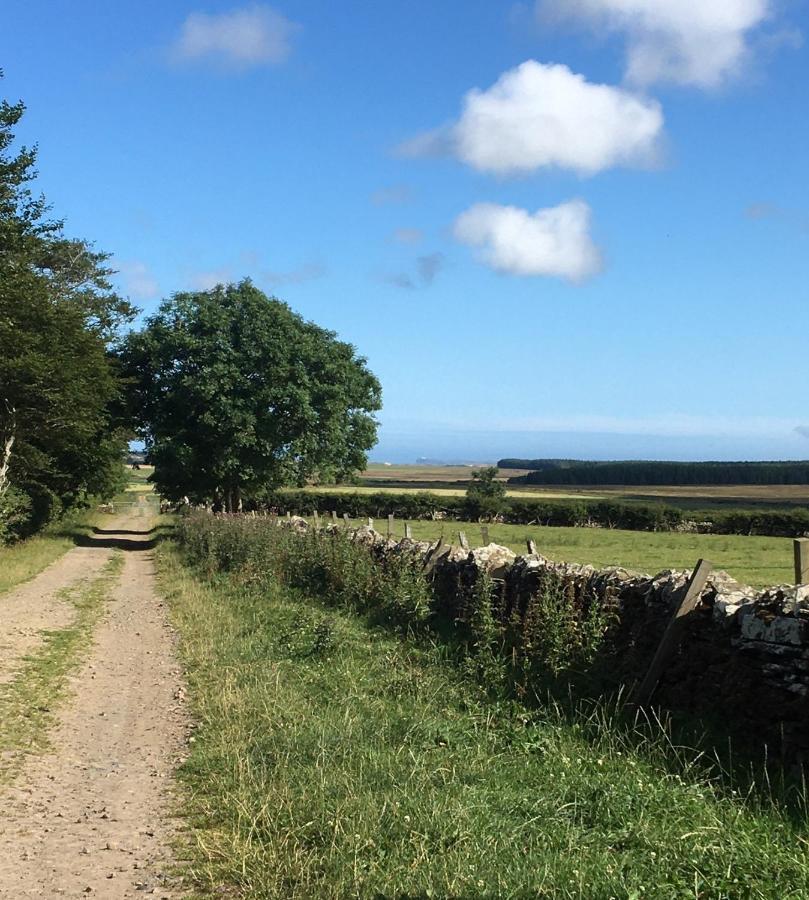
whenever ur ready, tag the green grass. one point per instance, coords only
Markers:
(20, 562)
(758, 561)
(334, 760)
(27, 702)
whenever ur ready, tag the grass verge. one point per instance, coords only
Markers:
(332, 759)
(20, 562)
(27, 702)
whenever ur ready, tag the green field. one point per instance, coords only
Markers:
(758, 561)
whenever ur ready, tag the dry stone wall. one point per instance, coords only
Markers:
(743, 659)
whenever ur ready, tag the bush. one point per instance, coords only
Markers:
(16, 513)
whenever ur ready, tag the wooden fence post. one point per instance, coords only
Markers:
(334, 516)
(801, 548)
(370, 522)
(408, 531)
(390, 524)
(674, 630)
(532, 547)
(345, 519)
(484, 533)
(316, 517)
(463, 540)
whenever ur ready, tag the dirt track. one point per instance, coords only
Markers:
(91, 816)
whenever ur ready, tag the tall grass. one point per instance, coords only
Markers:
(335, 759)
(551, 635)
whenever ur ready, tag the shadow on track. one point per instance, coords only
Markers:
(118, 540)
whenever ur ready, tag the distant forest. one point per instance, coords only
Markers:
(567, 471)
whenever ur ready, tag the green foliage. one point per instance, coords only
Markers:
(552, 635)
(345, 572)
(235, 393)
(566, 634)
(58, 313)
(15, 515)
(485, 495)
(610, 514)
(376, 770)
(654, 472)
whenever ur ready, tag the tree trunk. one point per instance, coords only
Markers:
(8, 444)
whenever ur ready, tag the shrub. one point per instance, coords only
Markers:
(16, 513)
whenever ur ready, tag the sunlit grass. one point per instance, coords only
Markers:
(758, 561)
(334, 760)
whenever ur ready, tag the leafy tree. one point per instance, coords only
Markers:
(485, 494)
(58, 313)
(236, 395)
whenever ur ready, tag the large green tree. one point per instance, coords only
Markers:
(237, 394)
(58, 388)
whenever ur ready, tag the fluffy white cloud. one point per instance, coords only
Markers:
(538, 116)
(699, 42)
(253, 36)
(554, 241)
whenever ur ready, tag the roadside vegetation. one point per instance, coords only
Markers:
(21, 561)
(342, 752)
(60, 436)
(28, 699)
(757, 561)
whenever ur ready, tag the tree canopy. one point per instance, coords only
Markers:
(58, 313)
(235, 394)
(485, 494)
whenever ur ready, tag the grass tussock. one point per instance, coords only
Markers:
(27, 702)
(334, 758)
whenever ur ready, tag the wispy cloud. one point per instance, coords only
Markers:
(554, 241)
(790, 217)
(696, 42)
(307, 272)
(254, 35)
(408, 235)
(666, 424)
(138, 280)
(545, 116)
(205, 281)
(395, 195)
(427, 268)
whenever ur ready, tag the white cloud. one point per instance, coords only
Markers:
(253, 36)
(538, 116)
(697, 42)
(138, 281)
(554, 241)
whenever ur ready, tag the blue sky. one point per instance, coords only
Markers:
(603, 251)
